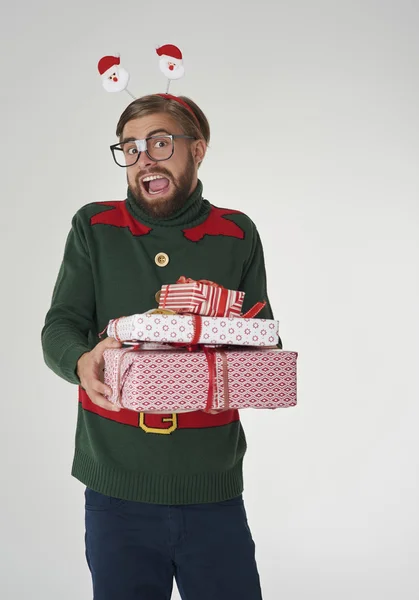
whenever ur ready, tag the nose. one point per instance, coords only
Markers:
(145, 161)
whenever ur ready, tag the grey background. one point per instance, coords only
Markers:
(314, 114)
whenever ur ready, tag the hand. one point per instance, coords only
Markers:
(89, 371)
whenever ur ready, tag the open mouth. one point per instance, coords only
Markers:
(155, 185)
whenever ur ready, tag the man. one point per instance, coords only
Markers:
(163, 492)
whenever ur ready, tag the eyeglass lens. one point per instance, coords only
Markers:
(158, 148)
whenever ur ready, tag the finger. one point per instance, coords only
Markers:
(99, 387)
(99, 400)
(100, 349)
(109, 343)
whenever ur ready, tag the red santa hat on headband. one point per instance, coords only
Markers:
(170, 52)
(107, 62)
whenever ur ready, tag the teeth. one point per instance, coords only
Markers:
(151, 177)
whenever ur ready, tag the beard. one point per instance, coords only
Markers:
(116, 86)
(176, 73)
(162, 208)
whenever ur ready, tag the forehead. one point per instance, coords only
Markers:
(142, 127)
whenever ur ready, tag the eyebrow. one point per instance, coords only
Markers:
(151, 133)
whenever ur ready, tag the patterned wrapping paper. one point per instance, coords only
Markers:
(201, 298)
(187, 329)
(175, 380)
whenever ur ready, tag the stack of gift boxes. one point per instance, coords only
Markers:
(197, 351)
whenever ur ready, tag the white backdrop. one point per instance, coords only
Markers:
(314, 114)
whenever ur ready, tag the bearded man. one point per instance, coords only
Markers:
(163, 493)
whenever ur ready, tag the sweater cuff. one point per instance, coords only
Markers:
(68, 363)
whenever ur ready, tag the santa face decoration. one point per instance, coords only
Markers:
(114, 77)
(171, 61)
(170, 68)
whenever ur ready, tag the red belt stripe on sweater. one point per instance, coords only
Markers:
(161, 422)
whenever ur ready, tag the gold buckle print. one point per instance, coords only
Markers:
(161, 430)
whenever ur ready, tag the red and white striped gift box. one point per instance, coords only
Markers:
(175, 380)
(200, 298)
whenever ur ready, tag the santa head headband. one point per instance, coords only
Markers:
(115, 78)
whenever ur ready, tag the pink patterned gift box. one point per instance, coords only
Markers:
(212, 380)
(201, 298)
(192, 329)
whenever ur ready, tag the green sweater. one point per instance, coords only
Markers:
(109, 270)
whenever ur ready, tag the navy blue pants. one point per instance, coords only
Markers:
(134, 550)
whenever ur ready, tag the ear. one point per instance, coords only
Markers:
(199, 151)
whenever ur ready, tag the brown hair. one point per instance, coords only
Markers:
(151, 104)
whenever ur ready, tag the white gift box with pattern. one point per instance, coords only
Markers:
(193, 329)
(171, 380)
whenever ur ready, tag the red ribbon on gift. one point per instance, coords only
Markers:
(213, 389)
(255, 310)
(115, 324)
(210, 356)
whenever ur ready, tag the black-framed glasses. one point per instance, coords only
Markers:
(157, 148)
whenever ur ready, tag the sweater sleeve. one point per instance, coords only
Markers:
(71, 315)
(253, 281)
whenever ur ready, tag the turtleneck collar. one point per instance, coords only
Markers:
(192, 213)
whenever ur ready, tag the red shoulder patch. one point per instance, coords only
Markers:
(215, 224)
(119, 217)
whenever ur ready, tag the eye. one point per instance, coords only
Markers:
(160, 144)
(131, 150)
